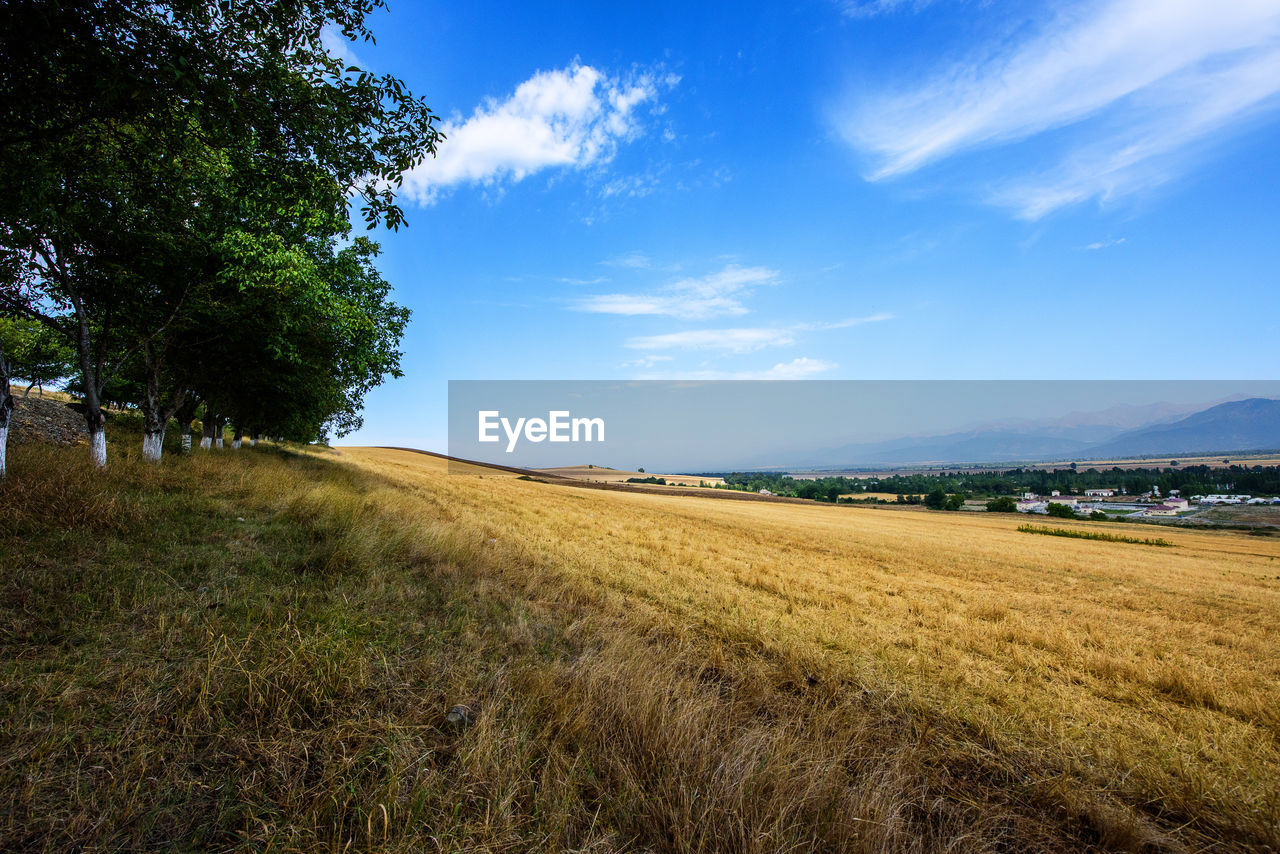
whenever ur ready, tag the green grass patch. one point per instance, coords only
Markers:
(1093, 535)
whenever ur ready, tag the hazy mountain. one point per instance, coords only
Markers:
(973, 446)
(1252, 424)
(1116, 419)
(1246, 425)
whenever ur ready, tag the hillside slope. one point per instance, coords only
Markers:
(1245, 425)
(257, 649)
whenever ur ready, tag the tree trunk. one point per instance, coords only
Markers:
(155, 415)
(219, 427)
(6, 409)
(97, 440)
(153, 423)
(206, 432)
(186, 414)
(253, 439)
(94, 418)
(239, 438)
(153, 445)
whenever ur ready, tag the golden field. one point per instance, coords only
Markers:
(601, 474)
(878, 496)
(1141, 681)
(256, 650)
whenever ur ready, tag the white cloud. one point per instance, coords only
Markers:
(647, 361)
(338, 46)
(571, 118)
(1106, 244)
(850, 321)
(729, 340)
(630, 260)
(1139, 83)
(742, 340)
(714, 295)
(631, 186)
(872, 8)
(796, 369)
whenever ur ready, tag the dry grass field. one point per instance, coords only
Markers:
(878, 496)
(608, 475)
(1137, 683)
(257, 650)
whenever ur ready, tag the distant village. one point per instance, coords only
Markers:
(1115, 502)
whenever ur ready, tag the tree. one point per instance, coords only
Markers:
(36, 353)
(1062, 511)
(1137, 485)
(955, 501)
(306, 331)
(117, 115)
(1003, 504)
(936, 500)
(6, 407)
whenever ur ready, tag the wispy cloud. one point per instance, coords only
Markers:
(872, 8)
(849, 321)
(797, 369)
(646, 361)
(570, 118)
(743, 339)
(1141, 84)
(727, 340)
(714, 295)
(1106, 244)
(338, 47)
(630, 260)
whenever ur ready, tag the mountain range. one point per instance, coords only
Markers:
(1240, 425)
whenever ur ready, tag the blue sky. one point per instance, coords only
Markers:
(888, 189)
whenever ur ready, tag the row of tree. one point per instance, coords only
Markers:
(1255, 480)
(177, 183)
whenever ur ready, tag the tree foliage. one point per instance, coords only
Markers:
(35, 352)
(179, 176)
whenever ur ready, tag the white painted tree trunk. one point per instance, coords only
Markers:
(98, 448)
(217, 443)
(206, 442)
(235, 444)
(186, 443)
(253, 443)
(4, 443)
(152, 446)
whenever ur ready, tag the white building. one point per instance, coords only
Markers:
(1099, 493)
(1161, 510)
